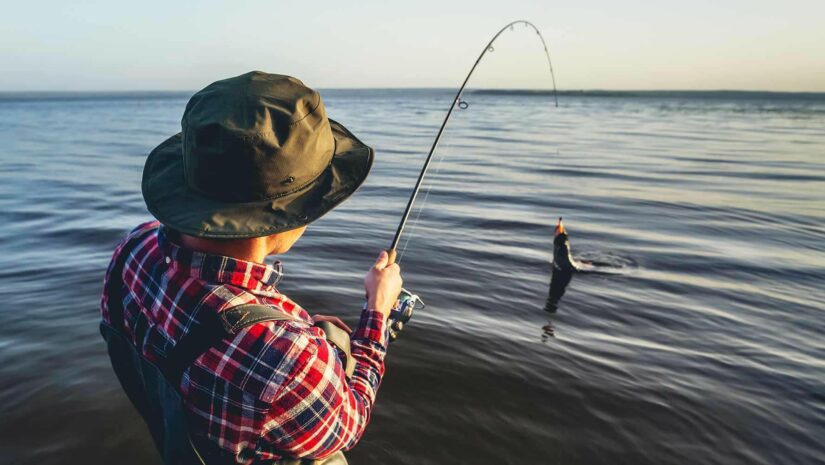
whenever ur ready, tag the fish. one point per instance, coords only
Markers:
(564, 266)
(562, 256)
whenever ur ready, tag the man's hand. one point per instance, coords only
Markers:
(383, 284)
(332, 319)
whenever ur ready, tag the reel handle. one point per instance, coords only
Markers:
(402, 312)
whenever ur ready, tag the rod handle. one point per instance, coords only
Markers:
(391, 253)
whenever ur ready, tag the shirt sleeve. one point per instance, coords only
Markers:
(318, 412)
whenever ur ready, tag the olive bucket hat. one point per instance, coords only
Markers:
(257, 155)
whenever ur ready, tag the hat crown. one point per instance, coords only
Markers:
(255, 136)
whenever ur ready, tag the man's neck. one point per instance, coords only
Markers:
(251, 250)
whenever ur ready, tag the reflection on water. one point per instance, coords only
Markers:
(558, 284)
(703, 346)
(548, 331)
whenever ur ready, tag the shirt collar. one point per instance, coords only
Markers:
(218, 268)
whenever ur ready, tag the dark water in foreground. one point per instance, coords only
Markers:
(706, 346)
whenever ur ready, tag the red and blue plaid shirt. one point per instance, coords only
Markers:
(276, 387)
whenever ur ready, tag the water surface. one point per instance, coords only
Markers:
(706, 347)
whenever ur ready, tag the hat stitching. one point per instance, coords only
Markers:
(303, 117)
(317, 104)
(299, 188)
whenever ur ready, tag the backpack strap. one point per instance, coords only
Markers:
(237, 318)
(212, 328)
(339, 339)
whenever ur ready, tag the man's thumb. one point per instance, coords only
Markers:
(383, 258)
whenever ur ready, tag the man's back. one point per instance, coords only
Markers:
(275, 388)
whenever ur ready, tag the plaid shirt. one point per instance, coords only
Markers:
(277, 387)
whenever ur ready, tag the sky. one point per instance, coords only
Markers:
(594, 44)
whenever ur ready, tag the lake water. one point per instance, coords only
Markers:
(703, 345)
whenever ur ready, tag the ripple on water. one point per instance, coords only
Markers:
(704, 346)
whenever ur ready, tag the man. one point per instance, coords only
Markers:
(257, 161)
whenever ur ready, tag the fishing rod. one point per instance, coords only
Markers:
(408, 302)
(462, 105)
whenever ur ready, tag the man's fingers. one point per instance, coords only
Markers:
(383, 258)
(332, 319)
(394, 268)
(337, 322)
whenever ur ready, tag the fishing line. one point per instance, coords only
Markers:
(423, 203)
(462, 104)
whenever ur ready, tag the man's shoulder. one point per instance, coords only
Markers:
(138, 234)
(142, 230)
(145, 227)
(265, 356)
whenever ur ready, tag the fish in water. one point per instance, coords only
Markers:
(562, 257)
(564, 265)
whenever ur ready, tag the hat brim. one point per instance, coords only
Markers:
(170, 199)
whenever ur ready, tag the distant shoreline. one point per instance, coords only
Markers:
(6, 96)
(726, 94)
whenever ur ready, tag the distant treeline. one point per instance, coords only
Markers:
(104, 95)
(692, 94)
(6, 97)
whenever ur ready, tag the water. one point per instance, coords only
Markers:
(705, 347)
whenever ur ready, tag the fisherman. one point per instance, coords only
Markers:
(206, 347)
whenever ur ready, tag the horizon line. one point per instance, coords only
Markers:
(486, 89)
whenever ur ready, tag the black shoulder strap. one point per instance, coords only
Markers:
(339, 339)
(237, 318)
(210, 329)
